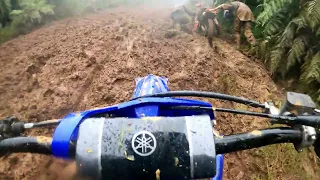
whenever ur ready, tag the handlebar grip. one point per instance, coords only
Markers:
(40, 144)
(257, 138)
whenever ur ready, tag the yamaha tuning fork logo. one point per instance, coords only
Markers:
(144, 143)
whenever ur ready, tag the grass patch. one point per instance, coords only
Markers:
(171, 33)
(228, 83)
(282, 161)
(6, 34)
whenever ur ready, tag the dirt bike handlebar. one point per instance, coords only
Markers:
(39, 145)
(166, 135)
(224, 144)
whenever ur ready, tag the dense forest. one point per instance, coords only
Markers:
(288, 31)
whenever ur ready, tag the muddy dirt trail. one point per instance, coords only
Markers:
(92, 61)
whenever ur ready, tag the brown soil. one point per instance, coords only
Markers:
(92, 61)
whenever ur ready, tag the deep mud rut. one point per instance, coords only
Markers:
(87, 62)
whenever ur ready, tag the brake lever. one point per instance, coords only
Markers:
(11, 127)
(271, 108)
(309, 134)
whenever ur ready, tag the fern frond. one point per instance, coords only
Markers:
(314, 10)
(318, 32)
(311, 70)
(317, 96)
(275, 59)
(298, 49)
(270, 8)
(306, 21)
(263, 49)
(288, 34)
(300, 21)
(276, 24)
(309, 54)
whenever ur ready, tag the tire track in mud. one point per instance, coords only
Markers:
(88, 82)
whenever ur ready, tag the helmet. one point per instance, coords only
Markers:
(226, 14)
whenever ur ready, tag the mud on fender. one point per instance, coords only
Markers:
(146, 148)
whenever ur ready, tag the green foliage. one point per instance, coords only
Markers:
(21, 16)
(66, 8)
(5, 8)
(291, 33)
(272, 8)
(311, 69)
(6, 33)
(275, 160)
(32, 13)
(313, 11)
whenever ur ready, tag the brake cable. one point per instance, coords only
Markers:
(213, 95)
(41, 124)
(275, 119)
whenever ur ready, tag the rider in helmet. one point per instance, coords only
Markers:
(243, 19)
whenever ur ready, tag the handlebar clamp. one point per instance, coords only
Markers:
(309, 136)
(10, 127)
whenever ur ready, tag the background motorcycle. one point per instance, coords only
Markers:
(208, 25)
